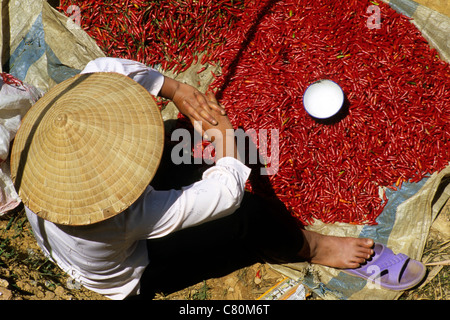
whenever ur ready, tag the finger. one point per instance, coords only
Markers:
(211, 96)
(191, 112)
(209, 104)
(214, 103)
(207, 116)
(218, 108)
(195, 117)
(205, 109)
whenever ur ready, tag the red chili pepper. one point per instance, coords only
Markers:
(269, 52)
(10, 79)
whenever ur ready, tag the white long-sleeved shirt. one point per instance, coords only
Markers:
(110, 257)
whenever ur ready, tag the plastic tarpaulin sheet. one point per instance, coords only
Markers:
(42, 47)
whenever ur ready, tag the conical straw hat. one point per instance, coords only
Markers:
(87, 149)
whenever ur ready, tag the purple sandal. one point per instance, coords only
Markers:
(389, 270)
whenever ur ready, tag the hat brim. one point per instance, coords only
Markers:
(87, 149)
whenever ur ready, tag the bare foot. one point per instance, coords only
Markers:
(336, 252)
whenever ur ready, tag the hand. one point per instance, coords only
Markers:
(191, 102)
(221, 134)
(223, 122)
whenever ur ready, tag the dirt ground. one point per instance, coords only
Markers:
(25, 274)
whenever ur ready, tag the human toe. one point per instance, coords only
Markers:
(368, 243)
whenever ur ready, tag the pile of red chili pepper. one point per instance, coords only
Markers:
(170, 33)
(395, 125)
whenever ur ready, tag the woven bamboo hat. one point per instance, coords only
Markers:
(87, 149)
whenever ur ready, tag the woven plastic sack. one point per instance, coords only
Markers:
(41, 46)
(15, 99)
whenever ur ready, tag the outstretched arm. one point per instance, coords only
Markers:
(191, 102)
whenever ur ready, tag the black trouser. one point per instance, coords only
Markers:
(253, 233)
(260, 230)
